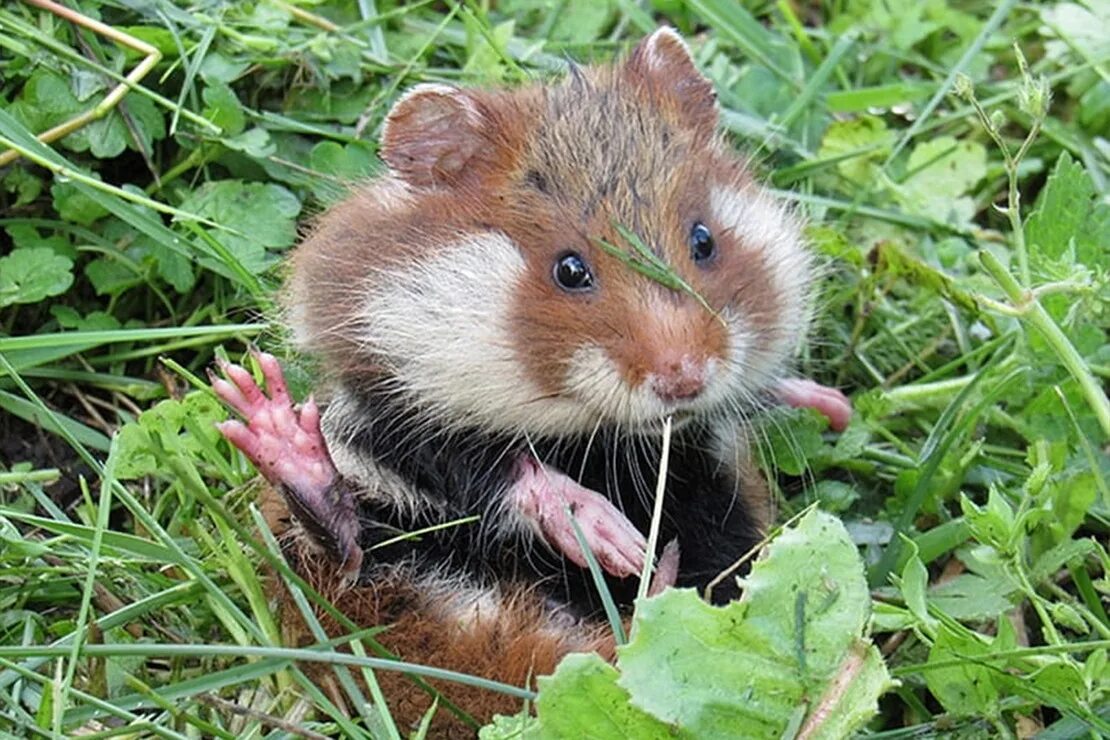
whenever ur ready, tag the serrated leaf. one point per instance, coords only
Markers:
(790, 653)
(160, 432)
(26, 236)
(1066, 212)
(516, 727)
(28, 275)
(45, 101)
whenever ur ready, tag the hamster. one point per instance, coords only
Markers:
(488, 351)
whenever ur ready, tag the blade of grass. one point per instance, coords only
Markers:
(612, 613)
(657, 511)
(342, 673)
(304, 655)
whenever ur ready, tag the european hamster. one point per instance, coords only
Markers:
(489, 350)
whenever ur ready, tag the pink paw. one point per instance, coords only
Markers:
(802, 393)
(285, 444)
(541, 493)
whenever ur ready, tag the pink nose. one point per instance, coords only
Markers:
(678, 378)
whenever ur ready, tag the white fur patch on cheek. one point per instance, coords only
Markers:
(760, 222)
(442, 326)
(594, 379)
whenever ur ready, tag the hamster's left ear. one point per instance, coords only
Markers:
(663, 62)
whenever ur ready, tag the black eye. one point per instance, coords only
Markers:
(702, 246)
(571, 273)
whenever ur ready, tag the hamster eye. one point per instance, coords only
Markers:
(702, 246)
(572, 274)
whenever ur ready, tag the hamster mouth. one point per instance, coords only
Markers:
(654, 426)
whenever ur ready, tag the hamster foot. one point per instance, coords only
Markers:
(541, 493)
(285, 443)
(803, 393)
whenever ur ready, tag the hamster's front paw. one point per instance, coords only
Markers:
(285, 443)
(543, 495)
(806, 394)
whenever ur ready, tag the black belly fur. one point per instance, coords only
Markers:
(466, 473)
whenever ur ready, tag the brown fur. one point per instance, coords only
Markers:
(552, 168)
(511, 645)
(527, 163)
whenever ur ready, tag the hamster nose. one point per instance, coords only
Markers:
(678, 377)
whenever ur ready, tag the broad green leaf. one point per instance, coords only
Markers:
(28, 275)
(972, 597)
(223, 108)
(941, 171)
(581, 21)
(72, 204)
(263, 214)
(791, 653)
(967, 688)
(861, 145)
(583, 699)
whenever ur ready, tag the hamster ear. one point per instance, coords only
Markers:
(663, 60)
(434, 136)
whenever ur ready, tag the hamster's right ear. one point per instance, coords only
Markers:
(435, 137)
(664, 62)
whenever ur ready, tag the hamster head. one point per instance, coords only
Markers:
(474, 280)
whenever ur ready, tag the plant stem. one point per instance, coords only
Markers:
(1032, 311)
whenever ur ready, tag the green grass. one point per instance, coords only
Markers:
(962, 214)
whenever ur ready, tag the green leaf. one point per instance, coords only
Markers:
(861, 145)
(46, 101)
(348, 162)
(72, 204)
(264, 215)
(28, 275)
(967, 688)
(26, 236)
(790, 653)
(583, 699)
(581, 21)
(972, 597)
(941, 171)
(516, 727)
(171, 428)
(1066, 210)
(223, 108)
(915, 581)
